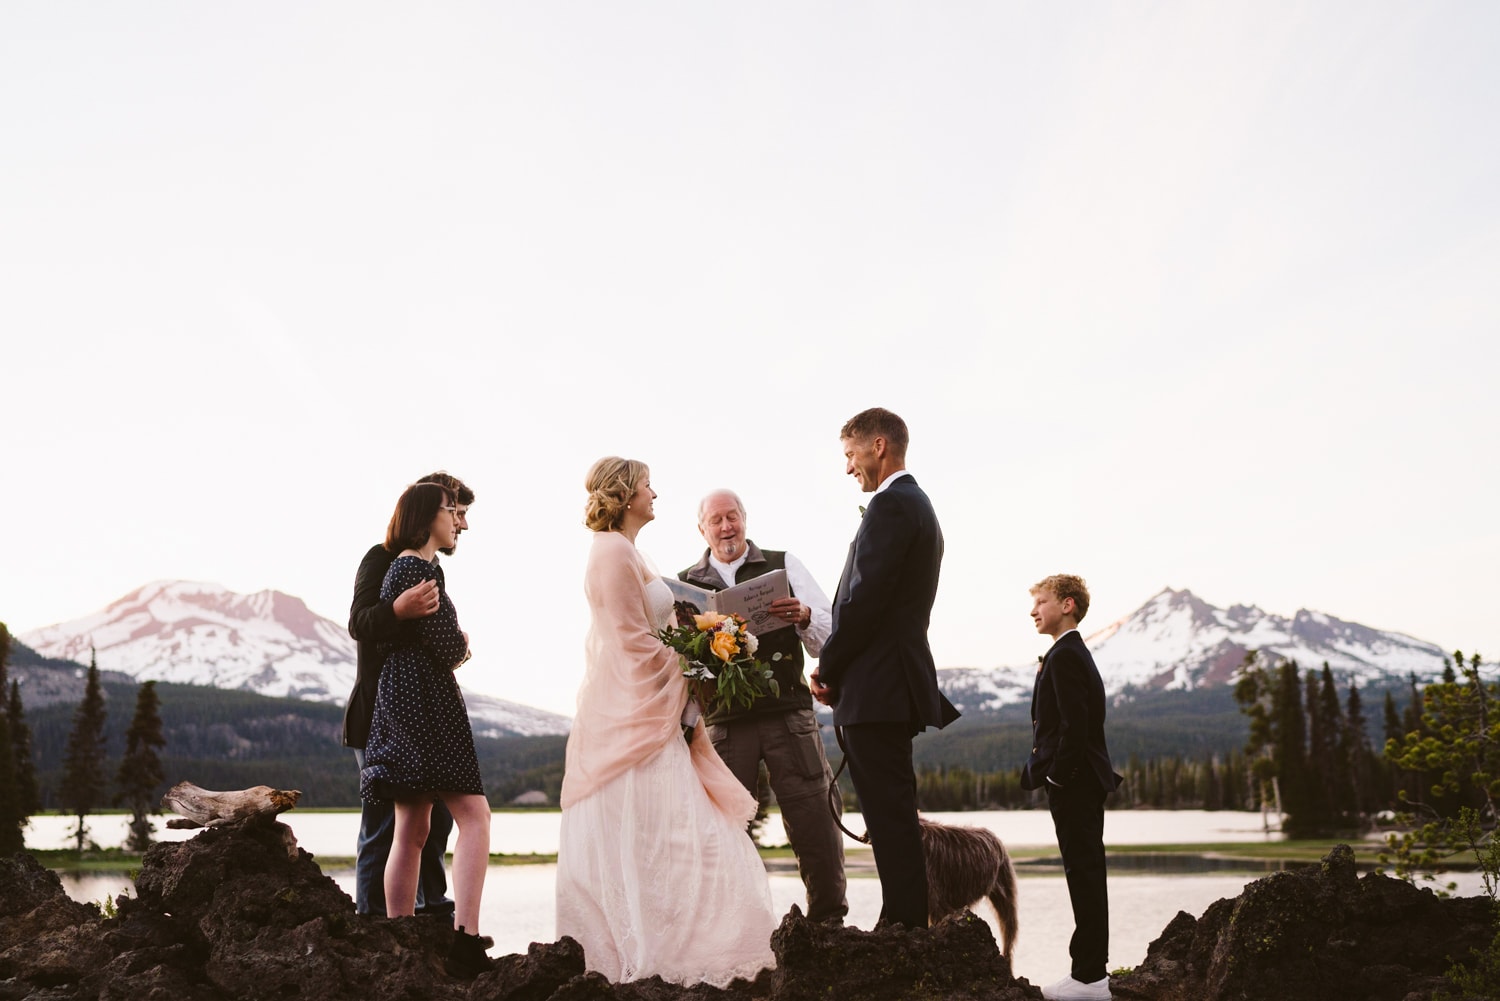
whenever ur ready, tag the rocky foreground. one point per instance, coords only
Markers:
(240, 912)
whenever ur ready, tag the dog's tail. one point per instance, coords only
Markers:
(1003, 898)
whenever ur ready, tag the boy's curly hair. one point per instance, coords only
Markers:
(1066, 585)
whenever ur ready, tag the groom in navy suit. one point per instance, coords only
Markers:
(876, 669)
(1070, 759)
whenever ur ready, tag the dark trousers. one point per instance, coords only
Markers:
(1078, 817)
(377, 826)
(879, 756)
(792, 748)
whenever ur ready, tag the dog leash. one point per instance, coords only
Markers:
(835, 801)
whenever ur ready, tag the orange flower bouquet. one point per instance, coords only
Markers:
(718, 661)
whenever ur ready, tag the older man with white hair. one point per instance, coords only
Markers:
(780, 730)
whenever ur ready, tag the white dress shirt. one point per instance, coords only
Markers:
(892, 479)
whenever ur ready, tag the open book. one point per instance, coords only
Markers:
(751, 600)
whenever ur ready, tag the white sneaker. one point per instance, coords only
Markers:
(1068, 989)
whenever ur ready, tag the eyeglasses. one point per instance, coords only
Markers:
(450, 509)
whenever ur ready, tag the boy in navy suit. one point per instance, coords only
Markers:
(1070, 760)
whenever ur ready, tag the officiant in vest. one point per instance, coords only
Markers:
(780, 730)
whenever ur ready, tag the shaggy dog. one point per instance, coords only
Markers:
(965, 865)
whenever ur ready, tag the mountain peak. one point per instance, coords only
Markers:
(1176, 640)
(193, 632)
(269, 642)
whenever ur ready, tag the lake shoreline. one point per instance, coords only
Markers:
(1225, 857)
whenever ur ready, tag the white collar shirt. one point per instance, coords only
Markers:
(892, 479)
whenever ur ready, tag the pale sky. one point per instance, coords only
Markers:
(1173, 294)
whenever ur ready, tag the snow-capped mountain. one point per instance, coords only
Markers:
(203, 634)
(268, 642)
(271, 643)
(492, 717)
(1177, 641)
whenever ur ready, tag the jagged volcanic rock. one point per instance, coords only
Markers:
(240, 912)
(1313, 934)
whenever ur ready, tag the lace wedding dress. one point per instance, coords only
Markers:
(655, 872)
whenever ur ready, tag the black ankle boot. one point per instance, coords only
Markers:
(466, 958)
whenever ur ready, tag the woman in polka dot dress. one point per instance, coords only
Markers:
(421, 745)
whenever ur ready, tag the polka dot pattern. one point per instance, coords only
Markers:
(420, 738)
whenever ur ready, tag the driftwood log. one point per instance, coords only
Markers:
(207, 808)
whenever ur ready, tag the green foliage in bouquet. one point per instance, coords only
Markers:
(718, 658)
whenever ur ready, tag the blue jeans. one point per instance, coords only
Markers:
(377, 826)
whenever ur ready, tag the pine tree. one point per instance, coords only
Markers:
(1253, 691)
(1394, 777)
(1458, 747)
(1391, 718)
(12, 820)
(1338, 782)
(1326, 779)
(83, 768)
(1289, 736)
(1411, 716)
(20, 738)
(12, 816)
(1458, 752)
(1356, 754)
(1318, 814)
(1412, 728)
(140, 769)
(1487, 751)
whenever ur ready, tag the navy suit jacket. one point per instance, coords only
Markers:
(877, 660)
(1067, 715)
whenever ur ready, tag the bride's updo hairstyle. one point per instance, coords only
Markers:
(611, 482)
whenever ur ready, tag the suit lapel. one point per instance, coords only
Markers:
(1041, 673)
(1036, 686)
(842, 591)
(844, 583)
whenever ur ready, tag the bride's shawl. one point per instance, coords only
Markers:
(631, 700)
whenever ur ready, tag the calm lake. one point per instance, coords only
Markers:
(519, 908)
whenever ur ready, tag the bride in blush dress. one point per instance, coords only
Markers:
(656, 875)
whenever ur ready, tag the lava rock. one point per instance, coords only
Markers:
(956, 959)
(240, 913)
(536, 976)
(1313, 934)
(47, 940)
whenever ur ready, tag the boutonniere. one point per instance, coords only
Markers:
(1041, 659)
(861, 510)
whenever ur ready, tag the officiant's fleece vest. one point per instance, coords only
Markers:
(788, 670)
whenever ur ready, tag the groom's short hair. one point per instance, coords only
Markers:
(878, 421)
(1066, 585)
